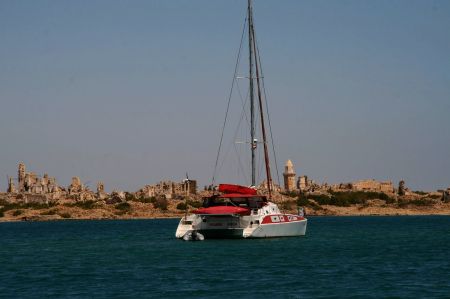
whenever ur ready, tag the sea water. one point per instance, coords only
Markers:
(405, 256)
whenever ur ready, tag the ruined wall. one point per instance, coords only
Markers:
(373, 185)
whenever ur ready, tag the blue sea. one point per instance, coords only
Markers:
(340, 257)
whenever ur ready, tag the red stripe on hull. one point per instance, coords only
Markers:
(278, 219)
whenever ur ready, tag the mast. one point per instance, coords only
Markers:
(252, 46)
(252, 96)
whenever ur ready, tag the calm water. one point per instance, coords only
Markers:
(339, 257)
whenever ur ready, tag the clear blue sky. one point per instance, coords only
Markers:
(131, 92)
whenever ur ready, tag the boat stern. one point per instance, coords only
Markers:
(184, 226)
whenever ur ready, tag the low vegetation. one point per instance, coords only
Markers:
(158, 203)
(49, 212)
(123, 206)
(8, 206)
(161, 203)
(302, 201)
(292, 194)
(144, 199)
(65, 215)
(130, 196)
(288, 205)
(17, 213)
(194, 203)
(189, 203)
(420, 192)
(292, 200)
(346, 199)
(182, 206)
(416, 202)
(85, 205)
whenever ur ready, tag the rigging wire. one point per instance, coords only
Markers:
(229, 100)
(244, 104)
(267, 111)
(240, 163)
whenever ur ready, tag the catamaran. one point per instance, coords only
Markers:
(236, 211)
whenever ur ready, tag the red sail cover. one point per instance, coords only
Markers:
(223, 210)
(229, 188)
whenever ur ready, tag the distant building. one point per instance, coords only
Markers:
(289, 176)
(373, 185)
(302, 183)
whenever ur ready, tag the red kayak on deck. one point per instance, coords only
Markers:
(230, 188)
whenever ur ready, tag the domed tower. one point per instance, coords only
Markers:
(289, 176)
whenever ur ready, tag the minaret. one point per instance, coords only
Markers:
(289, 176)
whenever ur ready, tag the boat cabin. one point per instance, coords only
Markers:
(235, 200)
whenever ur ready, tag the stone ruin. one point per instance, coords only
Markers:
(76, 186)
(30, 182)
(264, 189)
(39, 189)
(446, 195)
(169, 189)
(11, 186)
(401, 188)
(101, 194)
(35, 188)
(373, 185)
(306, 185)
(31, 186)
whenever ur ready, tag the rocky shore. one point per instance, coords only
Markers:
(132, 209)
(129, 210)
(379, 209)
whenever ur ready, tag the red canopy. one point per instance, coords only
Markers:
(230, 188)
(223, 210)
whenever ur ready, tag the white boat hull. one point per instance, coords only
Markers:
(287, 229)
(232, 226)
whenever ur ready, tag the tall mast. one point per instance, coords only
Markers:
(263, 127)
(252, 96)
(252, 46)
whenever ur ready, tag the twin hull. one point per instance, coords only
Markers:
(236, 226)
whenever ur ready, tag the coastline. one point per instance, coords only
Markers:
(147, 211)
(378, 209)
